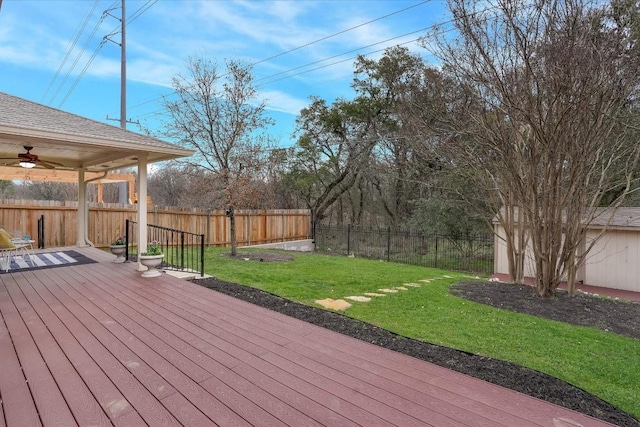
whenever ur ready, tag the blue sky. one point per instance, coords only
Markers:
(36, 36)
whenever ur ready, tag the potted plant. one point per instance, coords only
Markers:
(151, 258)
(118, 248)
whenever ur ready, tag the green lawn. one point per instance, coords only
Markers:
(604, 364)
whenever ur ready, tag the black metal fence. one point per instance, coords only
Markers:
(462, 253)
(183, 251)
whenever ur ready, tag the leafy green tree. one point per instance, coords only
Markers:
(334, 145)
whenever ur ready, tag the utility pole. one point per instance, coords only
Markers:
(123, 63)
(123, 71)
(122, 187)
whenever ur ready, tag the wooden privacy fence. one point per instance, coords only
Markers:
(107, 221)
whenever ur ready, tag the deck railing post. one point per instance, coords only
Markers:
(126, 239)
(41, 232)
(182, 250)
(202, 255)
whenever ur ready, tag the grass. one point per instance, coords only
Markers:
(602, 363)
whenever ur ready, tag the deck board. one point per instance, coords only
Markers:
(47, 331)
(99, 345)
(17, 405)
(52, 407)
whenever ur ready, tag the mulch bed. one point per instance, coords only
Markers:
(611, 315)
(509, 375)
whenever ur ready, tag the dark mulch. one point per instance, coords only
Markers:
(498, 372)
(607, 314)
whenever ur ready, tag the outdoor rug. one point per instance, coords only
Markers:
(45, 260)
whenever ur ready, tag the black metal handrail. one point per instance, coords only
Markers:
(183, 251)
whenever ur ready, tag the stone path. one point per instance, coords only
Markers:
(342, 304)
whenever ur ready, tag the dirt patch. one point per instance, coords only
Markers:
(261, 256)
(506, 374)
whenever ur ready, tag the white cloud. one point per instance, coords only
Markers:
(35, 36)
(283, 102)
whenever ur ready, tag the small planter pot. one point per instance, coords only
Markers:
(118, 251)
(151, 262)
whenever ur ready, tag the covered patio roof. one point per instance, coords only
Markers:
(67, 141)
(74, 141)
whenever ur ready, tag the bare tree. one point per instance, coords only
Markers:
(39, 190)
(549, 86)
(220, 118)
(7, 189)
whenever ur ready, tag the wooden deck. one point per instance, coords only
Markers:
(97, 345)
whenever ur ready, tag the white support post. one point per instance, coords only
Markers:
(82, 210)
(142, 207)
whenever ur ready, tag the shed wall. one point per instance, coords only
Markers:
(501, 265)
(613, 262)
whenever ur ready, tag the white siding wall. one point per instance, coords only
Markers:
(614, 261)
(500, 263)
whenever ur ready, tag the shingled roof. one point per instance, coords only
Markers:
(623, 218)
(73, 140)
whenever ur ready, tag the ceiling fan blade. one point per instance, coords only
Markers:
(47, 164)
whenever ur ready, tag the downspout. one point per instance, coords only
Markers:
(86, 210)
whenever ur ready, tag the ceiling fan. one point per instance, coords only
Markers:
(28, 160)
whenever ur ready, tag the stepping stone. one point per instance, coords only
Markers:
(373, 294)
(333, 304)
(425, 280)
(413, 285)
(389, 291)
(401, 288)
(358, 298)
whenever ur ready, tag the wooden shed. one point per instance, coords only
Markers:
(613, 262)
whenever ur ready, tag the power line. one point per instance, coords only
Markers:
(430, 27)
(310, 43)
(339, 32)
(75, 62)
(142, 9)
(338, 55)
(84, 70)
(287, 75)
(70, 48)
(436, 26)
(134, 16)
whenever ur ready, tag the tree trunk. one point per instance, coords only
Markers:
(232, 231)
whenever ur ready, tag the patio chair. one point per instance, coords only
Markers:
(6, 248)
(10, 245)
